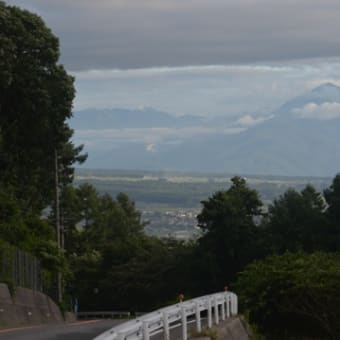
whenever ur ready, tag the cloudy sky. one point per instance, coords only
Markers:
(207, 57)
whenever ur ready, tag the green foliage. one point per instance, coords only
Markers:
(99, 229)
(29, 233)
(12, 227)
(293, 295)
(18, 267)
(110, 253)
(94, 220)
(297, 222)
(229, 242)
(332, 197)
(47, 279)
(36, 97)
(6, 260)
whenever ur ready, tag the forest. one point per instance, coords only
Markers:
(283, 262)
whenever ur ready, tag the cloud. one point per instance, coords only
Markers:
(128, 34)
(324, 111)
(206, 90)
(179, 70)
(249, 120)
(317, 82)
(199, 57)
(150, 147)
(148, 136)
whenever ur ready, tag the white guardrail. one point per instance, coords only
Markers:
(216, 306)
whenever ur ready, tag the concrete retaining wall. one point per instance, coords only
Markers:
(230, 329)
(26, 307)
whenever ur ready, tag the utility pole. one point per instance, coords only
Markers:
(57, 222)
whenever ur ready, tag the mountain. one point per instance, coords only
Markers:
(123, 118)
(287, 144)
(301, 139)
(327, 92)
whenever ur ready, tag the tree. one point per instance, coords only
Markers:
(296, 221)
(332, 197)
(293, 296)
(12, 226)
(138, 273)
(230, 233)
(29, 232)
(36, 97)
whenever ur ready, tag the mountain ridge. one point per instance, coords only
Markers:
(129, 118)
(287, 144)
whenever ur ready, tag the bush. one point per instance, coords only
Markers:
(293, 295)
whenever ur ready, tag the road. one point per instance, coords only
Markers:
(82, 330)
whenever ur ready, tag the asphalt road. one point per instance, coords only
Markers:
(82, 330)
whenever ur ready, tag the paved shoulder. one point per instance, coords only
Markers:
(83, 330)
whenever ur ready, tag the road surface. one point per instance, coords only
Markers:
(82, 330)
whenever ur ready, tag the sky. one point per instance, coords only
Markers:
(237, 58)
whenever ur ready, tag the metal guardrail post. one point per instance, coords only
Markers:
(146, 333)
(228, 306)
(121, 335)
(184, 324)
(216, 311)
(166, 326)
(223, 308)
(198, 318)
(234, 305)
(209, 313)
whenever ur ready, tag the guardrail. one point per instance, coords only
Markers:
(217, 307)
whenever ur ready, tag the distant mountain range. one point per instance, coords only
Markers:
(301, 138)
(123, 118)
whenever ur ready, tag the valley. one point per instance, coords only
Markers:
(170, 201)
